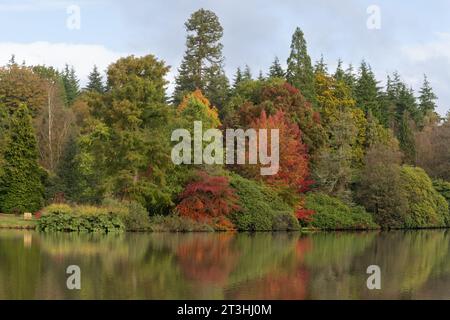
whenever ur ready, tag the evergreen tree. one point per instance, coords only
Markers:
(276, 70)
(247, 73)
(21, 188)
(321, 66)
(350, 79)
(427, 98)
(95, 82)
(339, 74)
(300, 72)
(260, 76)
(237, 78)
(405, 136)
(367, 91)
(71, 84)
(202, 65)
(68, 173)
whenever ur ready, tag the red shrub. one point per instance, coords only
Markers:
(208, 197)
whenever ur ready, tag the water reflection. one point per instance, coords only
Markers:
(414, 264)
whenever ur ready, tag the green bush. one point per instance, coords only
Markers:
(261, 209)
(175, 223)
(333, 214)
(443, 187)
(133, 214)
(63, 218)
(426, 207)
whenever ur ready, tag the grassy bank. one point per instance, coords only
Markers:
(10, 221)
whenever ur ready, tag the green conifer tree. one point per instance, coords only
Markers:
(300, 72)
(21, 188)
(276, 70)
(95, 82)
(71, 84)
(202, 65)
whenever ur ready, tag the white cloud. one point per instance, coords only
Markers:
(439, 48)
(81, 56)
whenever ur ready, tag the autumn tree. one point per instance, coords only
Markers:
(432, 152)
(292, 176)
(21, 85)
(380, 187)
(202, 65)
(271, 96)
(208, 197)
(54, 121)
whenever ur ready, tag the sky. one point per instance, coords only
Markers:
(411, 37)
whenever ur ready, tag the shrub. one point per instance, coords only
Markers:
(333, 214)
(261, 209)
(133, 214)
(63, 218)
(57, 208)
(426, 207)
(443, 187)
(206, 198)
(175, 223)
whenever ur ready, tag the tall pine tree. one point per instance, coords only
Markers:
(237, 78)
(339, 74)
(321, 66)
(202, 65)
(300, 72)
(276, 70)
(427, 98)
(367, 91)
(95, 82)
(71, 84)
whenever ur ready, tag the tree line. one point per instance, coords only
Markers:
(379, 152)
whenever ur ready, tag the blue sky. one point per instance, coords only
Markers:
(414, 37)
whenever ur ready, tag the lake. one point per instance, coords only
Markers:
(413, 264)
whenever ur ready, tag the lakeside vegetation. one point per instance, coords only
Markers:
(353, 154)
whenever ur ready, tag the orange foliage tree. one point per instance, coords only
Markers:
(293, 171)
(208, 198)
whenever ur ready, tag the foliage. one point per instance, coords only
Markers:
(71, 84)
(380, 189)
(202, 65)
(63, 218)
(293, 163)
(276, 70)
(443, 187)
(21, 186)
(208, 197)
(299, 69)
(175, 223)
(133, 215)
(261, 209)
(95, 82)
(426, 207)
(433, 153)
(196, 107)
(333, 214)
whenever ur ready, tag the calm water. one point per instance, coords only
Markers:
(414, 265)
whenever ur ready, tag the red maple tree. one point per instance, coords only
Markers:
(208, 197)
